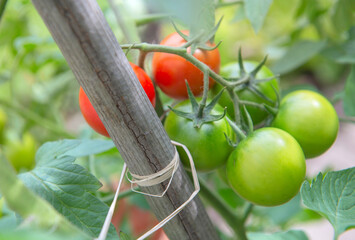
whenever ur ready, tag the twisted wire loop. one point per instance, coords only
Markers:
(152, 180)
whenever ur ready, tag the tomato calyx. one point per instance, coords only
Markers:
(199, 39)
(201, 113)
(249, 79)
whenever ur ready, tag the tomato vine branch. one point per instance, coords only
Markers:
(233, 220)
(182, 52)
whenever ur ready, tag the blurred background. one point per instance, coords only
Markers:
(310, 43)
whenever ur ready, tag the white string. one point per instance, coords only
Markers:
(156, 178)
(106, 226)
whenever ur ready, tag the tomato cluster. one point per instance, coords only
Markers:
(267, 165)
(91, 116)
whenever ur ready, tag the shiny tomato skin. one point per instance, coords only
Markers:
(170, 71)
(91, 116)
(310, 118)
(267, 168)
(232, 70)
(207, 144)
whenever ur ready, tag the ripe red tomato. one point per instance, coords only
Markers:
(170, 71)
(89, 112)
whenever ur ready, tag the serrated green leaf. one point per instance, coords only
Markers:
(349, 97)
(289, 235)
(68, 186)
(297, 55)
(38, 212)
(197, 15)
(343, 53)
(334, 197)
(255, 11)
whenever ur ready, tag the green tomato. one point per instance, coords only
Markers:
(3, 121)
(207, 144)
(232, 71)
(1, 206)
(267, 167)
(21, 154)
(311, 119)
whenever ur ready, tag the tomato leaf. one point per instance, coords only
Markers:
(349, 97)
(68, 186)
(343, 53)
(289, 235)
(35, 211)
(343, 15)
(297, 55)
(256, 11)
(198, 15)
(333, 197)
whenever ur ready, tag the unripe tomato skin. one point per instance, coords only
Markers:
(311, 119)
(3, 121)
(267, 168)
(21, 153)
(207, 144)
(90, 114)
(232, 70)
(170, 71)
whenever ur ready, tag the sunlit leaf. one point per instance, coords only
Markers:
(333, 196)
(69, 187)
(255, 11)
(297, 55)
(197, 15)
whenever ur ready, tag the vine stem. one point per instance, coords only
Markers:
(182, 52)
(233, 220)
(32, 116)
(206, 81)
(235, 101)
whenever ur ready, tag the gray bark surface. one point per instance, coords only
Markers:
(101, 68)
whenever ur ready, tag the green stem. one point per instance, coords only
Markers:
(347, 119)
(182, 52)
(2, 7)
(230, 3)
(150, 18)
(233, 220)
(235, 101)
(206, 81)
(32, 116)
(247, 212)
(141, 59)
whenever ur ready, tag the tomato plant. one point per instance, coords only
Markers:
(311, 119)
(268, 89)
(3, 121)
(207, 144)
(91, 116)
(21, 153)
(170, 71)
(267, 167)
